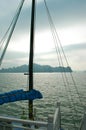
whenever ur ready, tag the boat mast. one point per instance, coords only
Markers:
(31, 58)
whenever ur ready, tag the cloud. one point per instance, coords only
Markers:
(76, 56)
(67, 12)
(14, 58)
(66, 15)
(75, 47)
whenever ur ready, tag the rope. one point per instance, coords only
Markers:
(56, 38)
(4, 37)
(13, 24)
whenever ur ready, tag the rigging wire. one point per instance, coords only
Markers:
(55, 37)
(55, 40)
(4, 37)
(11, 28)
(8, 29)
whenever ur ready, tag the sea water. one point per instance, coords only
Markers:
(71, 93)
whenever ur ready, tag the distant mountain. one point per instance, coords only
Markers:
(36, 68)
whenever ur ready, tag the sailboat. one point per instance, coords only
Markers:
(53, 122)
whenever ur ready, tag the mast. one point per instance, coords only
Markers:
(31, 58)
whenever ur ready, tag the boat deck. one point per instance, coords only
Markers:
(53, 123)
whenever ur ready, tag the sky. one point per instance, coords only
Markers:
(69, 18)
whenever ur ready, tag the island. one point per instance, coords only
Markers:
(36, 68)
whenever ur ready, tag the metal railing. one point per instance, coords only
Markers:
(83, 123)
(53, 123)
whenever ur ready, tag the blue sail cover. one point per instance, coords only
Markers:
(17, 95)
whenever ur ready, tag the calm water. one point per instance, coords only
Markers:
(53, 89)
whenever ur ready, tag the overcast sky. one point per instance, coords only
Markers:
(69, 18)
